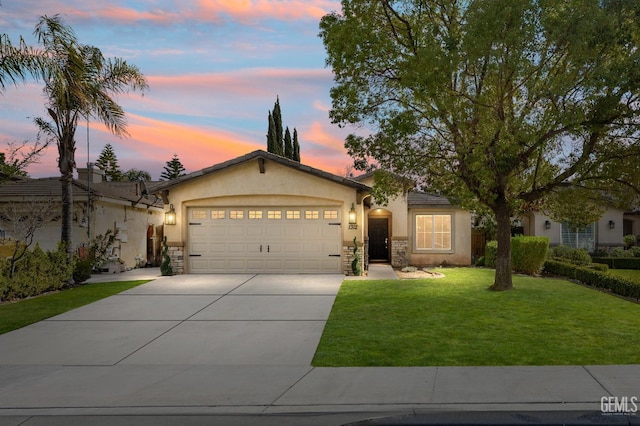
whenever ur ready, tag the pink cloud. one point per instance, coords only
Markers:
(171, 13)
(257, 10)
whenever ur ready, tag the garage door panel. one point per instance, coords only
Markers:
(197, 247)
(216, 248)
(298, 242)
(274, 230)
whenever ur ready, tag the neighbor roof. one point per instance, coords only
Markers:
(259, 154)
(20, 190)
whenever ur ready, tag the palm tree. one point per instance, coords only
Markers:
(17, 61)
(79, 82)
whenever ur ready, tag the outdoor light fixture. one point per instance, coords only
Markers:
(612, 224)
(547, 224)
(353, 223)
(170, 216)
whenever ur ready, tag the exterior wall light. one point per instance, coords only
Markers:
(353, 218)
(612, 224)
(170, 216)
(547, 224)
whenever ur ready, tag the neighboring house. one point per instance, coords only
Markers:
(606, 233)
(264, 213)
(121, 206)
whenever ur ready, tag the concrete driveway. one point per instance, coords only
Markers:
(186, 320)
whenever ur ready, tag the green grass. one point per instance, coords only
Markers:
(25, 312)
(456, 321)
(630, 274)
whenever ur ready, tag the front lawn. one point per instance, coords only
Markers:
(25, 312)
(456, 321)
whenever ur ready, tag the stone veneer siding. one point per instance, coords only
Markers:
(347, 257)
(399, 252)
(176, 254)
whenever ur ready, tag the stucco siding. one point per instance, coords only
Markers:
(460, 252)
(243, 185)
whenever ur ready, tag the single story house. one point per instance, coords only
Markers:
(264, 213)
(602, 235)
(125, 207)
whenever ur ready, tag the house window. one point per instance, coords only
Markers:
(274, 214)
(293, 214)
(255, 214)
(312, 214)
(198, 214)
(217, 214)
(236, 214)
(579, 238)
(433, 232)
(331, 214)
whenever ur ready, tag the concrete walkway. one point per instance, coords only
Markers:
(237, 349)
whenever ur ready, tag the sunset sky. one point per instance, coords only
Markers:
(214, 69)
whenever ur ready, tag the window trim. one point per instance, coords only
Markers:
(414, 232)
(576, 235)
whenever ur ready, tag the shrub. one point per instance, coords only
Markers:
(618, 252)
(619, 262)
(594, 278)
(567, 254)
(634, 251)
(36, 273)
(629, 240)
(599, 267)
(356, 268)
(490, 254)
(481, 261)
(528, 254)
(82, 270)
(165, 267)
(99, 249)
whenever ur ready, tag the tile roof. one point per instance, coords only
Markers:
(51, 187)
(260, 154)
(417, 199)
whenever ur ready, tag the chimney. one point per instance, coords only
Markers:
(96, 175)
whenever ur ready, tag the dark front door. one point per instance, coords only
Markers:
(379, 239)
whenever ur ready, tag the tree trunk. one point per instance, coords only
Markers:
(67, 213)
(503, 278)
(66, 164)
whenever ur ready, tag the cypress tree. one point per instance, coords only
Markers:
(288, 145)
(296, 146)
(271, 136)
(277, 120)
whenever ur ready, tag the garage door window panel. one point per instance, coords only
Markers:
(293, 214)
(331, 214)
(312, 214)
(198, 214)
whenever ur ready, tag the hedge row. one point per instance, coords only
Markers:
(594, 278)
(619, 262)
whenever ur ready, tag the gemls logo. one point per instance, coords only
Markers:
(622, 405)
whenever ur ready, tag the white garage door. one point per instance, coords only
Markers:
(264, 240)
